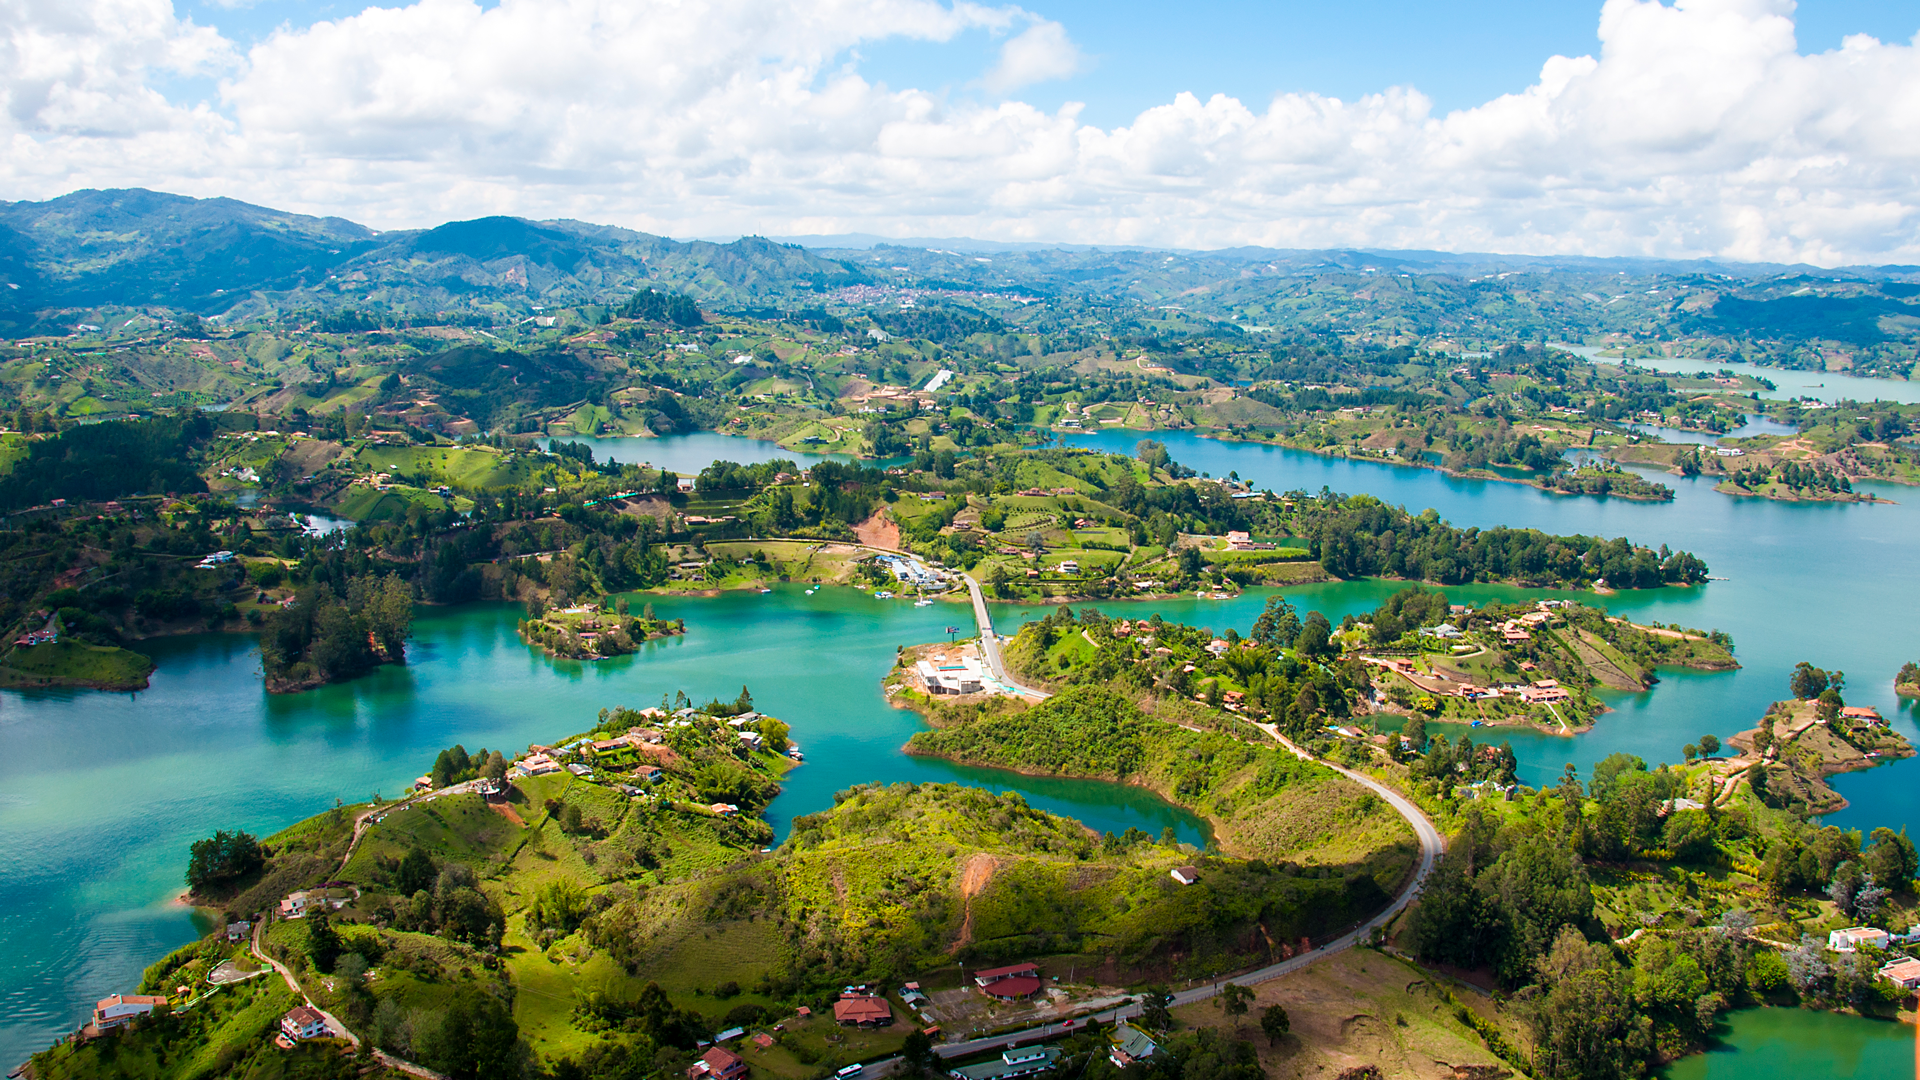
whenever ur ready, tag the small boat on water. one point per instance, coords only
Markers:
(809, 592)
(925, 601)
(764, 591)
(882, 594)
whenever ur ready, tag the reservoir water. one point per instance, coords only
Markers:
(100, 795)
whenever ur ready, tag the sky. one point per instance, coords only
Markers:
(1739, 129)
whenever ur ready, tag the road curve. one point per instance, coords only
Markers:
(1432, 846)
(334, 1027)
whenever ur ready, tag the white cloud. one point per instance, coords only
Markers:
(1698, 129)
(1040, 53)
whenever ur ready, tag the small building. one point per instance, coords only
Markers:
(955, 675)
(1130, 1044)
(684, 484)
(303, 1022)
(647, 773)
(718, 1063)
(1861, 714)
(862, 1010)
(239, 930)
(751, 739)
(1539, 694)
(1068, 566)
(490, 788)
(1012, 983)
(721, 809)
(1851, 938)
(1019, 1061)
(1185, 875)
(1903, 973)
(538, 764)
(118, 1009)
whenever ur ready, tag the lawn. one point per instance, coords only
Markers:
(75, 663)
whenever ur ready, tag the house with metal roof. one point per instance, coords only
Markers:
(1018, 1061)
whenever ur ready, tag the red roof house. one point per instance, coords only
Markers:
(718, 1063)
(1009, 983)
(862, 1010)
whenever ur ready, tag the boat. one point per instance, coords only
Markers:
(809, 592)
(882, 594)
(925, 601)
(764, 591)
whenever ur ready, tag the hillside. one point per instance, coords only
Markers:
(1262, 802)
(94, 257)
(618, 913)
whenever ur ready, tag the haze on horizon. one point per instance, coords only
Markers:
(1739, 129)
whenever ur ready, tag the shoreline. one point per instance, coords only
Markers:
(1471, 474)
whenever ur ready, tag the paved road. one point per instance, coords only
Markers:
(362, 821)
(1432, 846)
(990, 643)
(334, 1027)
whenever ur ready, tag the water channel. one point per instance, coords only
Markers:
(100, 795)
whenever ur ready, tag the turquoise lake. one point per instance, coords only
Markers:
(100, 795)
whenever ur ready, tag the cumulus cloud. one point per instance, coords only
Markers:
(1040, 53)
(1698, 129)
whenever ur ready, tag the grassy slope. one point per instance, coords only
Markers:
(74, 663)
(1263, 802)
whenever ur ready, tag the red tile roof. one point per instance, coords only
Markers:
(1003, 972)
(862, 1010)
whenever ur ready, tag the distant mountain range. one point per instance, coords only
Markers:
(99, 251)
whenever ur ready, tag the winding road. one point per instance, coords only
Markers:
(1432, 846)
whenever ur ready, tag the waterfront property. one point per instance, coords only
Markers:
(1012, 983)
(954, 674)
(1904, 974)
(119, 1009)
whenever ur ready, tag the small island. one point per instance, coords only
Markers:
(1792, 481)
(1907, 682)
(1803, 740)
(320, 636)
(1608, 479)
(592, 632)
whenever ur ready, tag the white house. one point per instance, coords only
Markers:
(1852, 937)
(1185, 875)
(1902, 973)
(118, 1009)
(303, 1022)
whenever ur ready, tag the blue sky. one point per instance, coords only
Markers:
(1140, 53)
(1744, 129)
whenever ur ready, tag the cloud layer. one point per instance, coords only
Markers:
(1698, 130)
